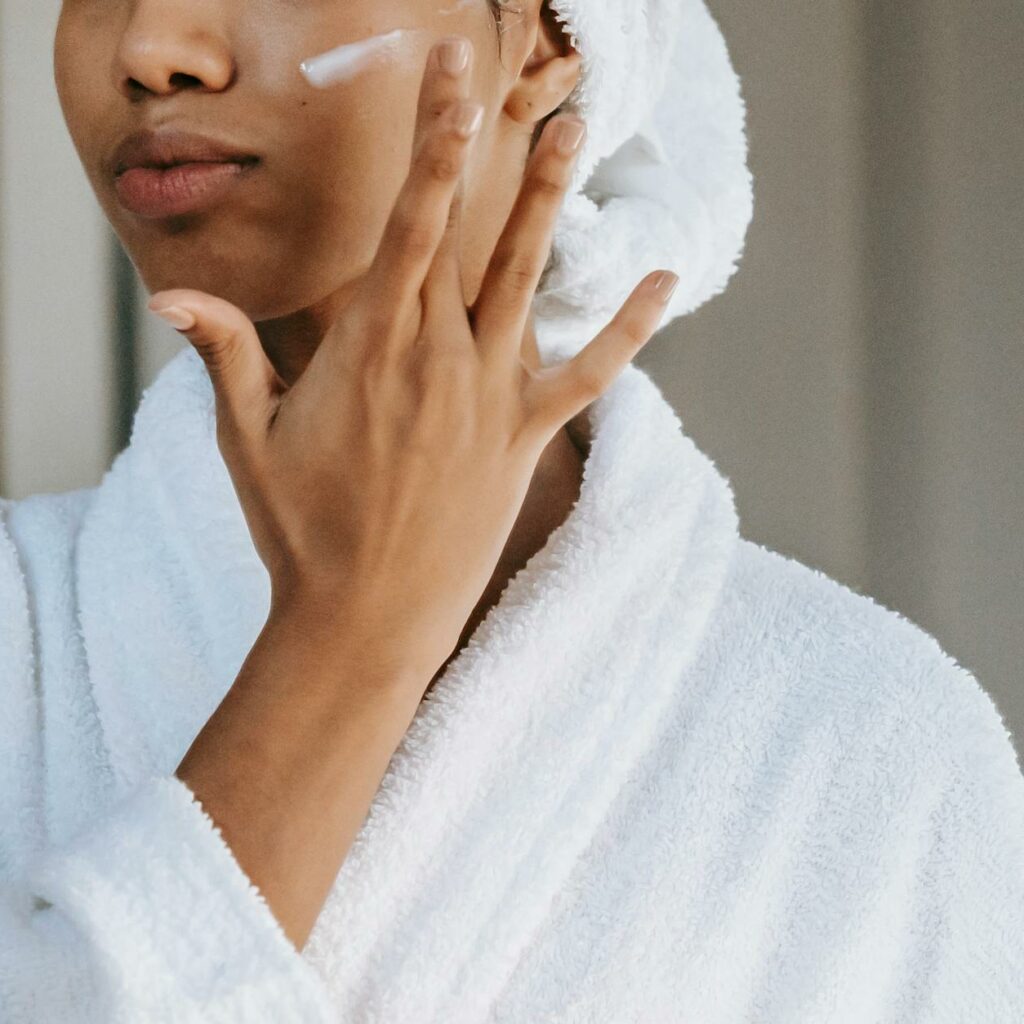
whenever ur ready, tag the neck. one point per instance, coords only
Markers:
(553, 492)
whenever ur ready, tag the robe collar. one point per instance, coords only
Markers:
(509, 764)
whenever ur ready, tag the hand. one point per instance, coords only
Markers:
(384, 483)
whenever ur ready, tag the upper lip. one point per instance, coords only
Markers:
(153, 148)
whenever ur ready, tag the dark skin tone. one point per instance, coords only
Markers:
(347, 302)
(289, 248)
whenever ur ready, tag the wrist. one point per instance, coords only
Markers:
(341, 644)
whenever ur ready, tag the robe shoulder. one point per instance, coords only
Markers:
(860, 662)
(829, 826)
(37, 536)
(889, 774)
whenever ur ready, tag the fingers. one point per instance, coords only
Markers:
(441, 293)
(244, 380)
(445, 79)
(558, 393)
(446, 122)
(502, 306)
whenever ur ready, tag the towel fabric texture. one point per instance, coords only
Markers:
(662, 179)
(673, 777)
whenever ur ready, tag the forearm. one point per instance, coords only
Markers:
(288, 764)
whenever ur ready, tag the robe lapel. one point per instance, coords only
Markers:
(512, 760)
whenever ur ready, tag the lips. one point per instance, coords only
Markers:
(167, 173)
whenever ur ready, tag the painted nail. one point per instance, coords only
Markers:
(665, 284)
(569, 134)
(180, 319)
(453, 55)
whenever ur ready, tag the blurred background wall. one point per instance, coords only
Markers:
(860, 381)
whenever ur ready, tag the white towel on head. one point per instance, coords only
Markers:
(662, 180)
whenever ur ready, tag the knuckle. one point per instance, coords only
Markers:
(435, 352)
(376, 359)
(441, 164)
(373, 368)
(413, 235)
(519, 277)
(588, 380)
(516, 272)
(376, 379)
(435, 108)
(546, 184)
(219, 349)
(375, 323)
(633, 329)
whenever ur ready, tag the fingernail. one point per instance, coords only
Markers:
(665, 284)
(178, 318)
(569, 134)
(453, 55)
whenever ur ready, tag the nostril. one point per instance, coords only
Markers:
(183, 80)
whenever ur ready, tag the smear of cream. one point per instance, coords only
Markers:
(350, 59)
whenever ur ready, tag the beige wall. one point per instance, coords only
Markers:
(859, 381)
(56, 363)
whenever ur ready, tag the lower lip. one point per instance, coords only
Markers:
(185, 188)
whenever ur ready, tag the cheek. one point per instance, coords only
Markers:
(356, 144)
(343, 152)
(82, 91)
(339, 147)
(347, 164)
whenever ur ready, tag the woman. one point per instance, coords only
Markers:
(408, 663)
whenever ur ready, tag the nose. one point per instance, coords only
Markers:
(169, 45)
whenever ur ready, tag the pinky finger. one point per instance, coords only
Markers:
(560, 392)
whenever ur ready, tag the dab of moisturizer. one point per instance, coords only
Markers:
(350, 59)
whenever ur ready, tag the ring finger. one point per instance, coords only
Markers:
(506, 293)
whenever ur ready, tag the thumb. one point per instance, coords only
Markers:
(244, 380)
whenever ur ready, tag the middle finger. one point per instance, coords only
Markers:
(442, 286)
(417, 220)
(446, 78)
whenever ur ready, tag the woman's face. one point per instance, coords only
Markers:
(305, 219)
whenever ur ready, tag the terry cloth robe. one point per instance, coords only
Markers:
(673, 777)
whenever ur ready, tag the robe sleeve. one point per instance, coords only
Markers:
(963, 938)
(146, 915)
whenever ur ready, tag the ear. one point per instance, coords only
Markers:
(550, 71)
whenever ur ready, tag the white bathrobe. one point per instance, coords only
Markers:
(674, 777)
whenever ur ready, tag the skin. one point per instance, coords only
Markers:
(290, 248)
(344, 302)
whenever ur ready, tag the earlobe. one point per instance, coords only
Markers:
(542, 86)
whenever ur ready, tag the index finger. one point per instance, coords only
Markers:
(445, 78)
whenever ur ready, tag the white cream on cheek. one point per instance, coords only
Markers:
(350, 59)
